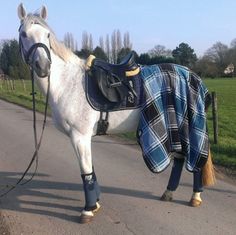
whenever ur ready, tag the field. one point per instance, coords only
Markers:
(224, 152)
(21, 94)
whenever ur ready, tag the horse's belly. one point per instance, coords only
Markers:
(123, 121)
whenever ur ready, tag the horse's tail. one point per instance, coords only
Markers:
(208, 172)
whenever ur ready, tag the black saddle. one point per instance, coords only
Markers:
(113, 84)
(127, 64)
(112, 78)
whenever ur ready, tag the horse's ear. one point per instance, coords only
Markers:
(21, 12)
(44, 12)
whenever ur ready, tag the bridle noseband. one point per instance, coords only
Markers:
(32, 50)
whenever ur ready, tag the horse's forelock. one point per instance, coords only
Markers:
(35, 19)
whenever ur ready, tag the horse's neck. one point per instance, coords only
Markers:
(61, 72)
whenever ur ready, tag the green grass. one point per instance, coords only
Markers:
(21, 94)
(224, 153)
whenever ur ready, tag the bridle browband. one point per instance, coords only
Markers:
(34, 158)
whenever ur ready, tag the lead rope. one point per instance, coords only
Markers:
(37, 143)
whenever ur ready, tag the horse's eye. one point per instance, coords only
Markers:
(23, 34)
(48, 35)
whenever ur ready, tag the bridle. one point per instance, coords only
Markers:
(27, 56)
(32, 51)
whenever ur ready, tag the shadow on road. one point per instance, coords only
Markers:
(62, 199)
(214, 188)
(50, 198)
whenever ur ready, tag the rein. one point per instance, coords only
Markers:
(37, 143)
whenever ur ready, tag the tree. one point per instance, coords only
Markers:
(114, 47)
(85, 41)
(107, 48)
(101, 43)
(11, 62)
(4, 58)
(70, 42)
(83, 53)
(160, 50)
(23, 71)
(90, 42)
(144, 59)
(99, 53)
(118, 41)
(217, 54)
(126, 41)
(161, 59)
(231, 56)
(122, 53)
(13, 72)
(233, 43)
(184, 55)
(204, 67)
(87, 44)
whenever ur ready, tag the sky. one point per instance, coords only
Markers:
(199, 23)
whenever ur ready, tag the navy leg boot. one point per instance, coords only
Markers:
(91, 190)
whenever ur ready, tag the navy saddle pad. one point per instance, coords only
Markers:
(111, 87)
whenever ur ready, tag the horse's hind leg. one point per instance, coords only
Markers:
(174, 182)
(174, 179)
(82, 146)
(197, 189)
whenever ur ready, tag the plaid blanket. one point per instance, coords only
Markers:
(173, 117)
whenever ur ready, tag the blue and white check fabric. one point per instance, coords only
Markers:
(173, 117)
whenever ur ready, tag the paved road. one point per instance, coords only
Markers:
(50, 204)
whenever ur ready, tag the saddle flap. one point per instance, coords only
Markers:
(110, 85)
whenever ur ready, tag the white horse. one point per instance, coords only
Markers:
(71, 112)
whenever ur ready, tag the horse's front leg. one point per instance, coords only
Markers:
(82, 146)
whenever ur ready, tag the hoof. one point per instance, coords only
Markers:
(195, 202)
(87, 216)
(167, 196)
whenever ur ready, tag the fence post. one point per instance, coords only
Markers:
(23, 83)
(215, 117)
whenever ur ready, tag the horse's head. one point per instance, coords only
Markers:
(34, 40)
